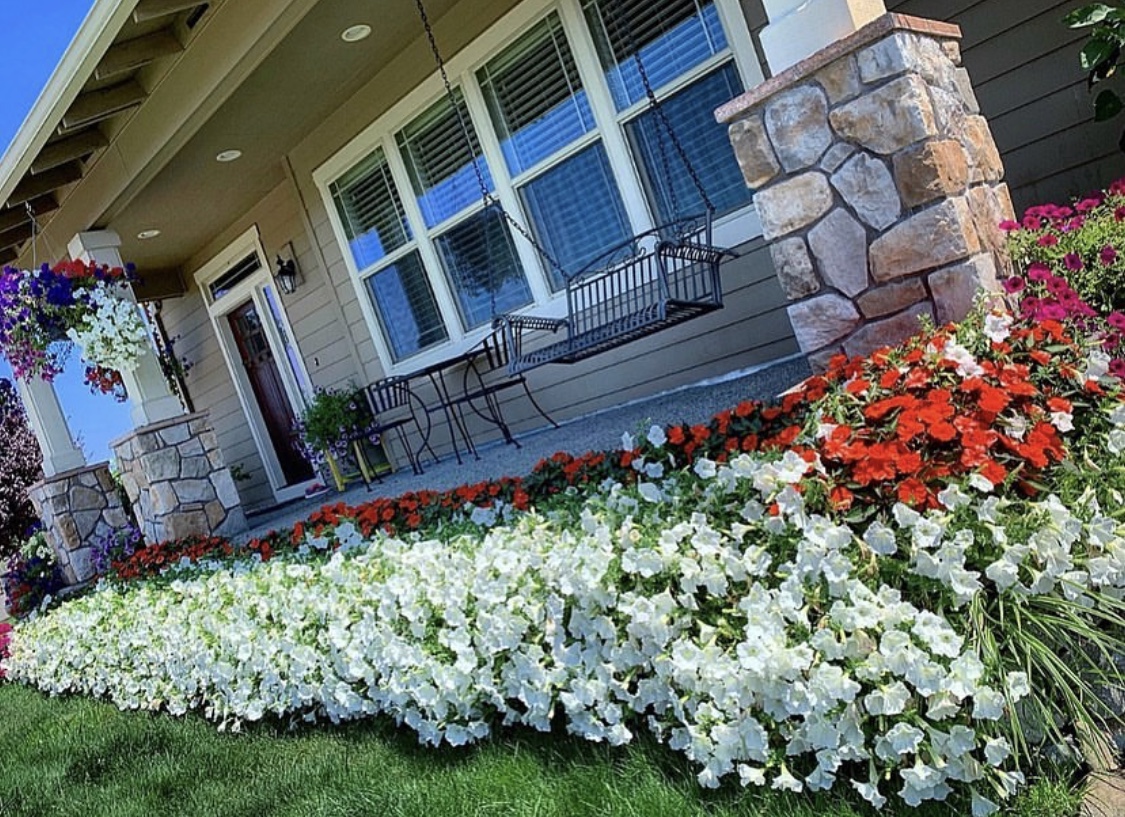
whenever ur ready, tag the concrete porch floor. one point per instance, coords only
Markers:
(600, 431)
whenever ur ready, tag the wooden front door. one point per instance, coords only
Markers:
(269, 391)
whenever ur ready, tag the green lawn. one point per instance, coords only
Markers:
(80, 757)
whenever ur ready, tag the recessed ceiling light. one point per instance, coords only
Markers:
(144, 235)
(228, 155)
(353, 34)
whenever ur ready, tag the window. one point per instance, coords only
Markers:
(673, 38)
(379, 236)
(442, 158)
(554, 121)
(540, 112)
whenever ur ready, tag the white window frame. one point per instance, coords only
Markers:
(737, 227)
(252, 289)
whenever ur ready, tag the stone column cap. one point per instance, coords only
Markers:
(875, 30)
(63, 476)
(152, 428)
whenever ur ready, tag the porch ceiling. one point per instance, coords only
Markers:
(177, 186)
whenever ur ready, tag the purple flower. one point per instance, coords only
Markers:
(1013, 284)
(1108, 255)
(1038, 272)
(1073, 262)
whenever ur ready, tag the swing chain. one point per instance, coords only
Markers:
(490, 201)
(655, 105)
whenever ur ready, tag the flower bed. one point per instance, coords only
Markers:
(826, 597)
(906, 579)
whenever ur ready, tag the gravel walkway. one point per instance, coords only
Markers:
(599, 431)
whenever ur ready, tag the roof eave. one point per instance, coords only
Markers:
(97, 32)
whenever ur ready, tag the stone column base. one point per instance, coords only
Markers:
(78, 508)
(878, 185)
(175, 476)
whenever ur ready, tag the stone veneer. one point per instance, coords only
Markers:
(78, 508)
(175, 476)
(878, 185)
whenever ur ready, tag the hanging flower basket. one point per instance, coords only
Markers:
(87, 304)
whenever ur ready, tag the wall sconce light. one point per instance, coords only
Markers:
(286, 275)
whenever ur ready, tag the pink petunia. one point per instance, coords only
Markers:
(1038, 271)
(1108, 255)
(1048, 240)
(1013, 284)
(1009, 226)
(1073, 261)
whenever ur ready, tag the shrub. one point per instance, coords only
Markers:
(20, 468)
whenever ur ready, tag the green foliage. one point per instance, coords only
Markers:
(1101, 53)
(75, 756)
(332, 418)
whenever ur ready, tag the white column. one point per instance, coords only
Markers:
(47, 421)
(799, 28)
(149, 396)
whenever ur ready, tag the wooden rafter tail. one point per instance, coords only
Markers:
(78, 146)
(36, 185)
(94, 106)
(14, 216)
(151, 9)
(138, 52)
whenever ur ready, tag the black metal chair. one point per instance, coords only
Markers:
(486, 376)
(396, 407)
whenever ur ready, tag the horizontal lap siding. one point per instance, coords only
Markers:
(1024, 65)
(313, 314)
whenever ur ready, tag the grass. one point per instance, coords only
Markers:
(75, 756)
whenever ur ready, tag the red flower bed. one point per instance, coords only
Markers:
(5, 636)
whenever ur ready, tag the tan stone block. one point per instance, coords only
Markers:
(990, 205)
(797, 123)
(162, 499)
(186, 523)
(952, 50)
(931, 170)
(225, 489)
(194, 490)
(890, 298)
(903, 51)
(174, 435)
(839, 243)
(888, 332)
(161, 464)
(823, 320)
(794, 268)
(889, 118)
(984, 159)
(868, 187)
(935, 237)
(753, 151)
(216, 513)
(840, 79)
(792, 204)
(836, 156)
(965, 90)
(956, 288)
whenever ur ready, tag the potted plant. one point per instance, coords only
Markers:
(333, 429)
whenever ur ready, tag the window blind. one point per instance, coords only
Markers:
(235, 275)
(673, 36)
(663, 173)
(407, 310)
(483, 269)
(535, 97)
(440, 161)
(370, 210)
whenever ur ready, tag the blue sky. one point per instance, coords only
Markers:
(37, 34)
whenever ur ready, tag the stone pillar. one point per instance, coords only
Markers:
(78, 508)
(174, 474)
(878, 185)
(799, 28)
(150, 399)
(48, 423)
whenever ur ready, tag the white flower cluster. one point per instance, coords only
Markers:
(113, 334)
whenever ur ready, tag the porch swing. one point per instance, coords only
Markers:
(652, 281)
